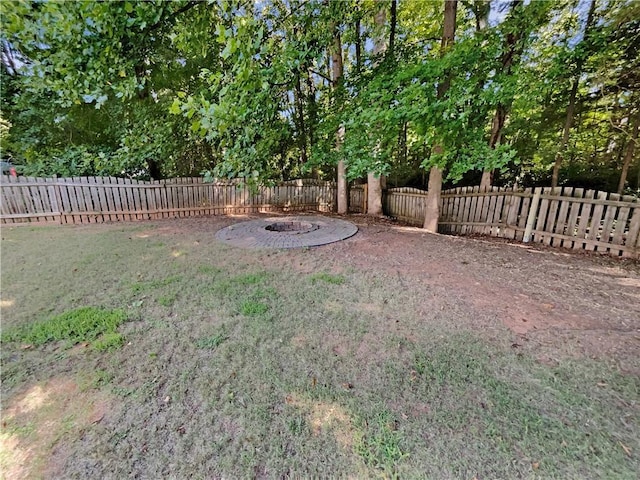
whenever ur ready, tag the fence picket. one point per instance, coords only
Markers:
(512, 215)
(622, 222)
(596, 223)
(542, 216)
(552, 214)
(561, 220)
(632, 241)
(524, 211)
(34, 192)
(572, 227)
(610, 215)
(585, 217)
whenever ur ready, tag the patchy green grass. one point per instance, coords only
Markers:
(379, 443)
(168, 300)
(213, 341)
(251, 308)
(108, 342)
(327, 278)
(84, 324)
(260, 369)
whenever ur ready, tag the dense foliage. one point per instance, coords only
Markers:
(243, 89)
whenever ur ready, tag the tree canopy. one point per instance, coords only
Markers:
(238, 88)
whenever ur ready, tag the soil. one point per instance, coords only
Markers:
(555, 302)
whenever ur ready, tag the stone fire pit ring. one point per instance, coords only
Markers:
(287, 232)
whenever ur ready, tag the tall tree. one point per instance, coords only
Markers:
(375, 179)
(571, 108)
(511, 55)
(336, 77)
(432, 207)
(630, 150)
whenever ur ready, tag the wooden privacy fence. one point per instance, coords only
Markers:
(562, 217)
(100, 199)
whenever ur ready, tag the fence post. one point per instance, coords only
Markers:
(365, 197)
(531, 218)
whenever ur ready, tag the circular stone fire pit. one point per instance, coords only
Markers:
(286, 232)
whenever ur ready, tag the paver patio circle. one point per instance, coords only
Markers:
(287, 232)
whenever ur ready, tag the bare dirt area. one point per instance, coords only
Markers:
(556, 302)
(394, 353)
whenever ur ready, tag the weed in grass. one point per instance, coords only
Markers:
(251, 308)
(209, 270)
(168, 300)
(249, 278)
(102, 378)
(266, 294)
(213, 341)
(108, 342)
(378, 443)
(327, 278)
(297, 425)
(80, 325)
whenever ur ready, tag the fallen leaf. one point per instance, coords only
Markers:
(26, 347)
(535, 465)
(167, 399)
(601, 384)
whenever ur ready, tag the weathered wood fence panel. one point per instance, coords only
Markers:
(562, 217)
(101, 199)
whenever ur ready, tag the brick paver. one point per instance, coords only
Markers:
(254, 234)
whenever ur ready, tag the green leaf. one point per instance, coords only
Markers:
(175, 107)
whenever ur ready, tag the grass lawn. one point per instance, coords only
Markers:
(151, 350)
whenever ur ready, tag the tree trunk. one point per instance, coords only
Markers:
(302, 131)
(394, 21)
(432, 210)
(628, 156)
(496, 133)
(336, 76)
(358, 45)
(568, 123)
(374, 185)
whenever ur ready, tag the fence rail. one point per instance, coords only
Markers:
(100, 199)
(562, 217)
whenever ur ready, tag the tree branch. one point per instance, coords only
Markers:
(321, 75)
